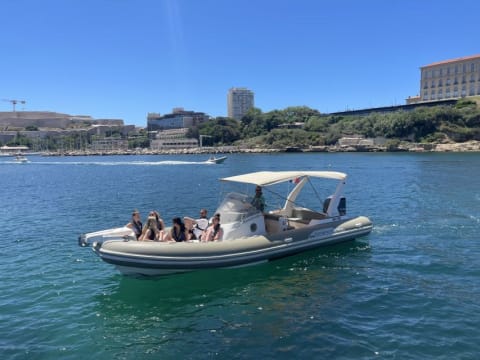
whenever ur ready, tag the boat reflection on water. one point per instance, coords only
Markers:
(221, 303)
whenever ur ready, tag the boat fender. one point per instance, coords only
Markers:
(253, 227)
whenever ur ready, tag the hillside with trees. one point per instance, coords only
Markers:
(301, 127)
(281, 128)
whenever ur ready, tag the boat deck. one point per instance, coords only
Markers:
(300, 218)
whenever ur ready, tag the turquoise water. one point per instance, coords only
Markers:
(409, 290)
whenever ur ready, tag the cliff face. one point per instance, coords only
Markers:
(467, 146)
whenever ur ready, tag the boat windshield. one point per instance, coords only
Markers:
(236, 207)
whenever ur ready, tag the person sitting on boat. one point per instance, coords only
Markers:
(151, 231)
(258, 200)
(160, 223)
(196, 227)
(200, 225)
(214, 232)
(178, 231)
(136, 224)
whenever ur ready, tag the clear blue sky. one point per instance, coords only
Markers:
(125, 58)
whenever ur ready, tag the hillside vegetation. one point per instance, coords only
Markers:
(303, 127)
(437, 124)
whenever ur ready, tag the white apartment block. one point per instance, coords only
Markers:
(450, 79)
(239, 101)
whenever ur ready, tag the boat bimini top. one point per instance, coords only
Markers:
(266, 178)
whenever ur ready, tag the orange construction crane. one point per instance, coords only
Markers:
(15, 102)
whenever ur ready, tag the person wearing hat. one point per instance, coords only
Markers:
(258, 200)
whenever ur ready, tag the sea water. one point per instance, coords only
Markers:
(409, 290)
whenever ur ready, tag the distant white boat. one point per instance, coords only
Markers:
(214, 160)
(21, 159)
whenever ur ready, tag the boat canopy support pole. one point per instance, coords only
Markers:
(335, 199)
(287, 208)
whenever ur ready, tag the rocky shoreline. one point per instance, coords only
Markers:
(469, 146)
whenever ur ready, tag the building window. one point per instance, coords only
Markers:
(455, 92)
(464, 68)
(425, 85)
(478, 90)
(433, 84)
(455, 81)
(456, 69)
(472, 78)
(425, 95)
(448, 82)
(448, 70)
(441, 72)
(440, 83)
(472, 67)
(464, 79)
(464, 90)
(447, 94)
(472, 91)
(440, 94)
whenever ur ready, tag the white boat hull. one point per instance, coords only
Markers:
(219, 160)
(156, 258)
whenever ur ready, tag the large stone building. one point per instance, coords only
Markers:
(50, 120)
(450, 79)
(239, 101)
(179, 118)
(173, 139)
(44, 127)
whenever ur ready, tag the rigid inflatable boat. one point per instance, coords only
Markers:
(250, 236)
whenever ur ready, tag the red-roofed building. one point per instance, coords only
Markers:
(450, 79)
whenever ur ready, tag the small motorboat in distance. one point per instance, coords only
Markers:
(21, 159)
(250, 236)
(215, 160)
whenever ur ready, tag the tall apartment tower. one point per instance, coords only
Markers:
(239, 101)
(450, 79)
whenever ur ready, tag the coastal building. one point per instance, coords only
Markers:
(10, 150)
(450, 79)
(239, 101)
(51, 120)
(109, 144)
(179, 118)
(173, 139)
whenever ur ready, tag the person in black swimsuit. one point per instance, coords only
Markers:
(136, 224)
(178, 232)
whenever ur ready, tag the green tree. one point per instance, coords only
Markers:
(222, 130)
